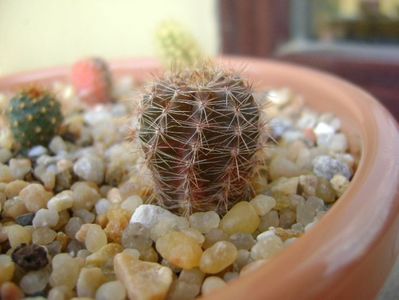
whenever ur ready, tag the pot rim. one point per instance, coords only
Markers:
(363, 222)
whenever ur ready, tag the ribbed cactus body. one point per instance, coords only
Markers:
(34, 116)
(199, 131)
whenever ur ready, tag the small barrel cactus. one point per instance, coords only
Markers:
(34, 116)
(178, 47)
(200, 131)
(92, 80)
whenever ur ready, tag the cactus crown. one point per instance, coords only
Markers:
(199, 130)
(177, 46)
(34, 117)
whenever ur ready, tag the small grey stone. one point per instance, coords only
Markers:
(54, 248)
(25, 220)
(326, 166)
(37, 151)
(279, 126)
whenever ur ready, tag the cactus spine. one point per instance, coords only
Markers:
(200, 130)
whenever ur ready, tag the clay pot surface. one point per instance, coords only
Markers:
(350, 252)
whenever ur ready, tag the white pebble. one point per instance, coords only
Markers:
(90, 168)
(266, 248)
(149, 215)
(37, 151)
(326, 166)
(212, 283)
(111, 290)
(45, 218)
(338, 143)
(265, 235)
(57, 145)
(102, 206)
(61, 201)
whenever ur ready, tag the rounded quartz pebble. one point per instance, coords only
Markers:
(84, 195)
(263, 204)
(35, 197)
(14, 208)
(5, 174)
(13, 188)
(20, 167)
(179, 249)
(65, 271)
(73, 226)
(218, 257)
(95, 238)
(212, 283)
(89, 280)
(18, 235)
(111, 290)
(7, 268)
(131, 203)
(5, 155)
(85, 215)
(59, 293)
(266, 247)
(136, 236)
(339, 183)
(45, 218)
(204, 221)
(102, 206)
(43, 236)
(61, 201)
(90, 168)
(34, 281)
(242, 217)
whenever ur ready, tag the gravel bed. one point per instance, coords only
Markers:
(77, 221)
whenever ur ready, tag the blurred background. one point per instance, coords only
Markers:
(355, 39)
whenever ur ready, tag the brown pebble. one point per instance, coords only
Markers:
(30, 257)
(10, 291)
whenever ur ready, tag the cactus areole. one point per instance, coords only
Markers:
(199, 130)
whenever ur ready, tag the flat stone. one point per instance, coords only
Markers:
(142, 280)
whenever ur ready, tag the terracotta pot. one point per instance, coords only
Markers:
(351, 251)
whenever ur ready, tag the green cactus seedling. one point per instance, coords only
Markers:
(34, 117)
